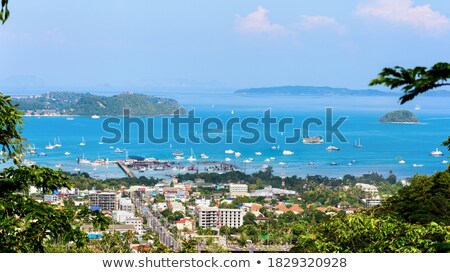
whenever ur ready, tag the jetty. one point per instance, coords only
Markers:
(125, 169)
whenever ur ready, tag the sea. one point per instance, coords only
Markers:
(356, 119)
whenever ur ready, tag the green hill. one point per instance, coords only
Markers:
(399, 116)
(70, 103)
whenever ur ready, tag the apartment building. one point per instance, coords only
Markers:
(106, 200)
(213, 217)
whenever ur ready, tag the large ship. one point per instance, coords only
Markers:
(312, 140)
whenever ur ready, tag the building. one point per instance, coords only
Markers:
(238, 190)
(106, 200)
(126, 205)
(136, 222)
(51, 198)
(269, 192)
(121, 216)
(185, 224)
(215, 217)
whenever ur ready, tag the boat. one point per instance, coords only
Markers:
(436, 152)
(281, 163)
(273, 147)
(49, 146)
(357, 144)
(77, 169)
(232, 112)
(272, 158)
(179, 157)
(229, 151)
(333, 163)
(349, 164)
(247, 161)
(444, 161)
(192, 156)
(57, 144)
(287, 152)
(118, 151)
(58, 165)
(82, 143)
(237, 154)
(31, 149)
(312, 140)
(28, 163)
(95, 116)
(227, 159)
(100, 142)
(402, 161)
(177, 153)
(417, 107)
(332, 148)
(42, 154)
(264, 166)
(417, 165)
(204, 156)
(267, 160)
(258, 153)
(311, 163)
(69, 118)
(67, 153)
(83, 161)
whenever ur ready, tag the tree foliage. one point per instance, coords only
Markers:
(4, 11)
(413, 81)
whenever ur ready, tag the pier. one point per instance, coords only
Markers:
(125, 169)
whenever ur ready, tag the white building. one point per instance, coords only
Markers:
(126, 204)
(51, 198)
(215, 217)
(121, 216)
(238, 190)
(136, 222)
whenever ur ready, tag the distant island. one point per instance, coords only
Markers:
(86, 104)
(399, 116)
(324, 91)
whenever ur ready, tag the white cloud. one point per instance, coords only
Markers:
(312, 22)
(420, 17)
(258, 22)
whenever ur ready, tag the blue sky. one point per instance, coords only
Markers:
(198, 44)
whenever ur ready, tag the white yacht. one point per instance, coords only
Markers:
(267, 160)
(258, 153)
(95, 116)
(332, 148)
(272, 158)
(436, 152)
(287, 152)
(204, 156)
(444, 161)
(67, 153)
(281, 163)
(402, 161)
(227, 159)
(237, 154)
(179, 157)
(229, 151)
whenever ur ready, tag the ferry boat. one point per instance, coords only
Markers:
(287, 152)
(436, 152)
(312, 140)
(332, 148)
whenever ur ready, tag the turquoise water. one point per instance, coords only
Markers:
(383, 144)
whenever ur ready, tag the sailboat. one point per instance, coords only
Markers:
(192, 157)
(49, 146)
(417, 107)
(82, 143)
(357, 144)
(57, 143)
(100, 142)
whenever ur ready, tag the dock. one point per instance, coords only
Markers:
(125, 169)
